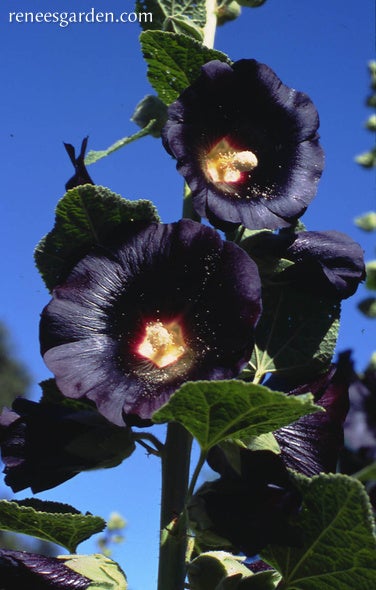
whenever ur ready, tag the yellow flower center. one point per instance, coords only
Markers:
(163, 344)
(225, 164)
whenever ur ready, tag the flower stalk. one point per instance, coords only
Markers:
(211, 23)
(176, 456)
(175, 476)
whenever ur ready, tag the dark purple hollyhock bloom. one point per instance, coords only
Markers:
(246, 144)
(326, 262)
(360, 425)
(81, 175)
(43, 445)
(173, 303)
(252, 508)
(329, 259)
(312, 444)
(20, 571)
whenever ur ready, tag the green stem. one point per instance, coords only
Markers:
(196, 473)
(176, 454)
(175, 476)
(140, 438)
(211, 23)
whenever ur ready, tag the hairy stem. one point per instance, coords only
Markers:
(175, 477)
(211, 23)
(176, 454)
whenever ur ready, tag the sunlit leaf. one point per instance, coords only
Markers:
(105, 573)
(167, 14)
(219, 570)
(339, 547)
(213, 411)
(174, 61)
(86, 216)
(50, 521)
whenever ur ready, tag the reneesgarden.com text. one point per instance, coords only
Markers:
(64, 19)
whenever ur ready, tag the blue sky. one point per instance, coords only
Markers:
(60, 84)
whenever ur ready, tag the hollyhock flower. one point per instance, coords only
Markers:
(312, 444)
(246, 144)
(360, 425)
(173, 303)
(251, 508)
(326, 262)
(20, 570)
(43, 445)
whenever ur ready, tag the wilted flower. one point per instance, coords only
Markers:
(43, 445)
(20, 570)
(133, 322)
(312, 444)
(246, 144)
(251, 508)
(326, 262)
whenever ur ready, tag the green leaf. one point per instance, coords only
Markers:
(51, 394)
(86, 216)
(296, 335)
(367, 222)
(93, 156)
(368, 473)
(219, 570)
(368, 307)
(104, 573)
(263, 442)
(207, 570)
(50, 521)
(251, 3)
(371, 275)
(339, 547)
(174, 62)
(213, 411)
(371, 123)
(367, 159)
(185, 26)
(167, 14)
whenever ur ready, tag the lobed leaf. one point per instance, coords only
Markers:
(296, 334)
(86, 216)
(50, 521)
(105, 573)
(213, 411)
(174, 61)
(166, 13)
(339, 546)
